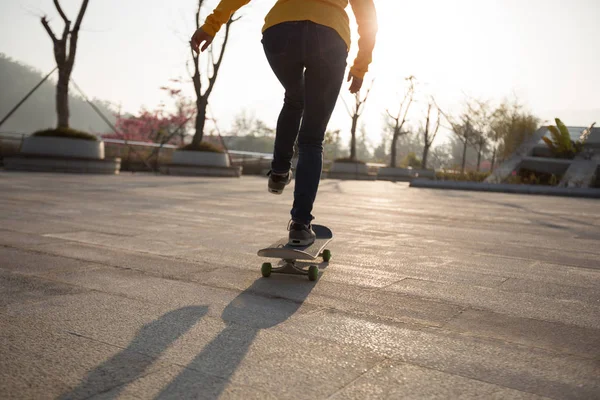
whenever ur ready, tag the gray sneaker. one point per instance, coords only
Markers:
(277, 182)
(300, 234)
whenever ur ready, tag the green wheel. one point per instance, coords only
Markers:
(326, 255)
(266, 270)
(313, 273)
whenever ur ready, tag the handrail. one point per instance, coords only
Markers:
(20, 135)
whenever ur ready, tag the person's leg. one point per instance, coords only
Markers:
(282, 47)
(326, 54)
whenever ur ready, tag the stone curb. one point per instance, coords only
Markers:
(506, 188)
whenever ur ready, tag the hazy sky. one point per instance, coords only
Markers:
(547, 52)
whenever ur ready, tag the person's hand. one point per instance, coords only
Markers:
(356, 83)
(198, 37)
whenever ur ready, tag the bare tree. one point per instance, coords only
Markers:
(214, 64)
(464, 131)
(65, 49)
(510, 126)
(482, 122)
(355, 113)
(397, 121)
(429, 133)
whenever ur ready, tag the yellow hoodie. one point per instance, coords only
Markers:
(324, 12)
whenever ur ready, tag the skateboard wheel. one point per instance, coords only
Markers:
(326, 255)
(266, 270)
(313, 273)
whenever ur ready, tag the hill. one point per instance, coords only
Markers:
(38, 112)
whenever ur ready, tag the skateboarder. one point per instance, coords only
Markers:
(306, 43)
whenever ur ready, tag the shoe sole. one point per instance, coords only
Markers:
(299, 242)
(275, 191)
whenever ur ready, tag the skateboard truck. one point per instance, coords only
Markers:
(290, 254)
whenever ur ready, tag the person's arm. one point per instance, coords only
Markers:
(221, 15)
(366, 19)
(215, 21)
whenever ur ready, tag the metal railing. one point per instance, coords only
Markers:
(138, 156)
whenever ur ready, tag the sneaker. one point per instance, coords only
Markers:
(300, 234)
(277, 182)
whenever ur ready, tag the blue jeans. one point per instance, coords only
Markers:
(310, 62)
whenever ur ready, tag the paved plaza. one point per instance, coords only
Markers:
(145, 286)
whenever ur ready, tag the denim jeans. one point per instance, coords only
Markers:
(310, 62)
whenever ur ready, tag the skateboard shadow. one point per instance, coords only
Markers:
(265, 304)
(132, 362)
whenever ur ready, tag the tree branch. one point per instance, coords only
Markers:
(80, 16)
(437, 128)
(61, 12)
(347, 108)
(217, 65)
(75, 34)
(49, 30)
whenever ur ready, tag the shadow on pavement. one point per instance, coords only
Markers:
(266, 303)
(211, 370)
(132, 362)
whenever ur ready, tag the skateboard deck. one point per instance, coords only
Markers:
(289, 254)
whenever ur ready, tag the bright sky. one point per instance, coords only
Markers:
(545, 51)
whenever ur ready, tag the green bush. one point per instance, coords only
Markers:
(203, 146)
(560, 143)
(469, 176)
(66, 133)
(411, 160)
(528, 177)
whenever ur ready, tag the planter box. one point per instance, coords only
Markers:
(404, 174)
(63, 147)
(347, 170)
(57, 154)
(35, 163)
(200, 158)
(201, 163)
(199, 170)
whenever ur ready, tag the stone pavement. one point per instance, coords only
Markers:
(142, 286)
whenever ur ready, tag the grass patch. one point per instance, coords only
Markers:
(203, 146)
(67, 133)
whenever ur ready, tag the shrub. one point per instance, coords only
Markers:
(66, 133)
(411, 160)
(203, 146)
(528, 177)
(561, 144)
(469, 176)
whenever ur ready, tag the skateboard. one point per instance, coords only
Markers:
(289, 254)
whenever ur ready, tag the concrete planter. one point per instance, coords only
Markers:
(404, 174)
(58, 154)
(63, 147)
(37, 163)
(201, 163)
(349, 170)
(203, 158)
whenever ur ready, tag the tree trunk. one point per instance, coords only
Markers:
(425, 154)
(394, 151)
(200, 121)
(478, 158)
(493, 160)
(353, 139)
(62, 99)
(464, 158)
